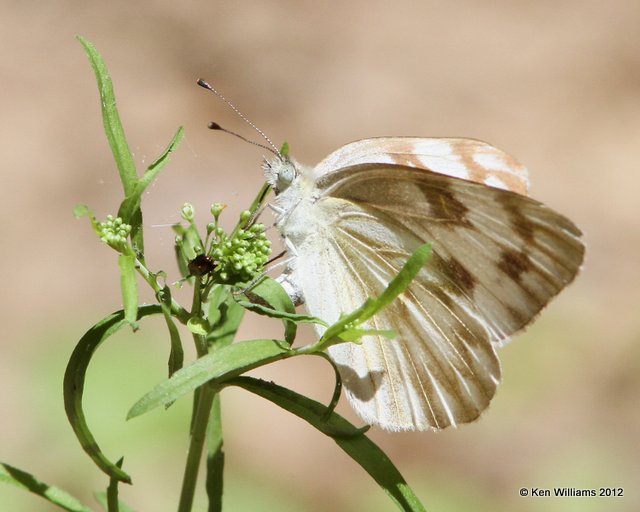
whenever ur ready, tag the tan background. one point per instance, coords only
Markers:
(555, 83)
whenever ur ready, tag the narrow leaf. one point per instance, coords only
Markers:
(255, 206)
(222, 364)
(347, 436)
(176, 356)
(153, 170)
(229, 316)
(218, 294)
(188, 247)
(270, 299)
(132, 201)
(371, 306)
(356, 334)
(81, 210)
(260, 309)
(399, 283)
(118, 142)
(73, 385)
(198, 325)
(52, 494)
(111, 118)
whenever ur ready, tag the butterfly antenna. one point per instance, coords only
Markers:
(215, 126)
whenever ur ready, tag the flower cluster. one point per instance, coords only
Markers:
(114, 232)
(239, 258)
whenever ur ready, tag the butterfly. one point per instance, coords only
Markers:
(498, 257)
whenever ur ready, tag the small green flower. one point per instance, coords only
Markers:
(245, 216)
(241, 258)
(216, 210)
(188, 212)
(114, 232)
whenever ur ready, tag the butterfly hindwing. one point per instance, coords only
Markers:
(510, 254)
(440, 370)
(498, 258)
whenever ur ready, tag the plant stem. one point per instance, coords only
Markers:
(152, 280)
(215, 458)
(198, 435)
(203, 401)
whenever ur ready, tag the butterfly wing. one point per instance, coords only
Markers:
(468, 159)
(498, 258)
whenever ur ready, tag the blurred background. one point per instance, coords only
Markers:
(557, 84)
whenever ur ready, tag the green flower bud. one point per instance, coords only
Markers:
(245, 216)
(241, 258)
(187, 212)
(216, 210)
(114, 232)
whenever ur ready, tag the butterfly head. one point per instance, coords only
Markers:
(279, 173)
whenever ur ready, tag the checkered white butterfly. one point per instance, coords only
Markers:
(498, 258)
(352, 221)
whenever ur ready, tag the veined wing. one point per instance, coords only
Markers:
(440, 370)
(509, 253)
(498, 258)
(467, 159)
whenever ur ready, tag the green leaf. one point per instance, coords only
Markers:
(73, 384)
(81, 210)
(189, 246)
(127, 265)
(111, 118)
(198, 325)
(117, 141)
(55, 495)
(217, 296)
(371, 306)
(153, 170)
(224, 363)
(253, 209)
(134, 198)
(347, 436)
(176, 356)
(355, 335)
(263, 310)
(134, 187)
(229, 315)
(269, 298)
(264, 191)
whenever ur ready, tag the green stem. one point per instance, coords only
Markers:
(204, 400)
(198, 435)
(215, 458)
(180, 313)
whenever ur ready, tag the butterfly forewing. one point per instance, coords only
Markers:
(467, 159)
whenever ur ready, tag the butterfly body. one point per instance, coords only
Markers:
(498, 257)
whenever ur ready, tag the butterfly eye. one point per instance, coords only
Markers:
(286, 175)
